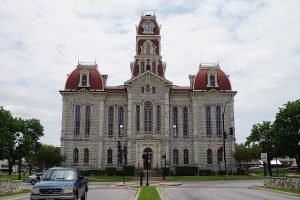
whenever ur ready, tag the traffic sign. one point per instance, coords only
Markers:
(264, 157)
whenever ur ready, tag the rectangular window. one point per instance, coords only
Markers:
(87, 120)
(77, 120)
(209, 156)
(158, 118)
(110, 121)
(218, 121)
(137, 118)
(185, 122)
(208, 120)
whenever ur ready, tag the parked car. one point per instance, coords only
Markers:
(33, 178)
(60, 183)
(293, 167)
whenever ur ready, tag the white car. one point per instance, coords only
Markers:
(33, 178)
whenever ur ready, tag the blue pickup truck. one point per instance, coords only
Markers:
(60, 183)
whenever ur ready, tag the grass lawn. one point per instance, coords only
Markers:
(15, 193)
(281, 189)
(109, 178)
(13, 177)
(211, 178)
(148, 193)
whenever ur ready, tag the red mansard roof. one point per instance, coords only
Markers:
(201, 79)
(95, 79)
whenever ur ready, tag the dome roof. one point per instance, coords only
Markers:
(94, 81)
(201, 80)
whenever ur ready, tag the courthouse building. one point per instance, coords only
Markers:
(148, 113)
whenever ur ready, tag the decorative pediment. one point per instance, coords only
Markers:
(148, 138)
(148, 75)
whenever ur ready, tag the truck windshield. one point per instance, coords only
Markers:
(59, 174)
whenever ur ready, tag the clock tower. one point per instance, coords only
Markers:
(148, 56)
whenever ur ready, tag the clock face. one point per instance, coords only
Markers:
(148, 27)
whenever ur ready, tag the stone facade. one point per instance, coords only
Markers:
(291, 182)
(157, 116)
(7, 185)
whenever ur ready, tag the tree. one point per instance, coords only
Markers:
(48, 156)
(245, 154)
(287, 131)
(10, 129)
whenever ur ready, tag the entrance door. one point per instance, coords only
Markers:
(150, 158)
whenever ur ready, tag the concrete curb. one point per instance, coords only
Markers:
(274, 190)
(15, 197)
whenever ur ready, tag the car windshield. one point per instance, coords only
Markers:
(59, 174)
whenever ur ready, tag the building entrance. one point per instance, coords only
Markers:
(148, 160)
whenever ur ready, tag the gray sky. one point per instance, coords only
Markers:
(256, 42)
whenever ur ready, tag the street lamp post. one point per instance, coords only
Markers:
(224, 136)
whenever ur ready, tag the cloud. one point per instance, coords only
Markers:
(256, 42)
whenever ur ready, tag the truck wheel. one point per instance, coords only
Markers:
(33, 182)
(84, 197)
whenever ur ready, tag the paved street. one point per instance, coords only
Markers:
(98, 191)
(203, 190)
(221, 190)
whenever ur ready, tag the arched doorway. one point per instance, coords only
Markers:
(150, 156)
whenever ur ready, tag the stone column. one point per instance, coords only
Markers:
(128, 135)
(195, 130)
(63, 127)
(101, 124)
(167, 122)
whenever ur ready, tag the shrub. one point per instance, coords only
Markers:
(129, 170)
(242, 172)
(93, 172)
(206, 172)
(110, 171)
(186, 171)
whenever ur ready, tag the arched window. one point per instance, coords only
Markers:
(75, 156)
(84, 80)
(212, 80)
(109, 156)
(208, 120)
(218, 121)
(121, 121)
(137, 118)
(158, 118)
(186, 156)
(110, 121)
(185, 122)
(175, 157)
(175, 121)
(148, 116)
(153, 67)
(148, 49)
(220, 155)
(77, 120)
(87, 120)
(86, 156)
(209, 156)
(142, 67)
(147, 88)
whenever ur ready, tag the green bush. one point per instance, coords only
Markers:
(129, 170)
(242, 172)
(186, 171)
(93, 172)
(206, 172)
(110, 171)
